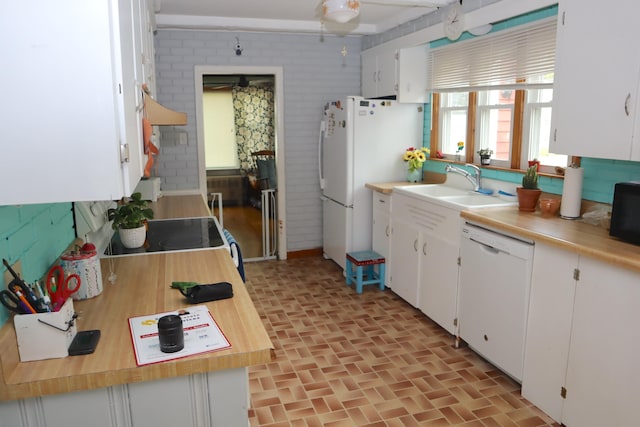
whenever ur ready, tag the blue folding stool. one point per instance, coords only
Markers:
(360, 260)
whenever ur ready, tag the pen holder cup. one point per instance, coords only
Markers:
(45, 335)
(87, 267)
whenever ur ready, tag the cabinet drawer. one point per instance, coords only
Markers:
(382, 202)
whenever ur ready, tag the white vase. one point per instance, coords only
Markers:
(132, 238)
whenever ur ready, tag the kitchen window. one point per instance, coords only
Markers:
(454, 121)
(492, 124)
(495, 92)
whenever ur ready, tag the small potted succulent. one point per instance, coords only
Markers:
(529, 193)
(485, 156)
(129, 219)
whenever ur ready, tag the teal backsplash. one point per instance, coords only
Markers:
(600, 176)
(36, 235)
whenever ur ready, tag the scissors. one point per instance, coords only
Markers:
(60, 288)
(11, 302)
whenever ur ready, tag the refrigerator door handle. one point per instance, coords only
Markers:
(320, 146)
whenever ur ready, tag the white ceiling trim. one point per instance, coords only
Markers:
(261, 25)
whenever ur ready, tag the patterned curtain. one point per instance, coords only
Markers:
(253, 113)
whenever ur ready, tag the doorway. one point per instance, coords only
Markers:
(252, 203)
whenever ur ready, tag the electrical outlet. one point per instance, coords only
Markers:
(8, 277)
(182, 138)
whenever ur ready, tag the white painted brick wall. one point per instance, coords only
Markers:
(314, 72)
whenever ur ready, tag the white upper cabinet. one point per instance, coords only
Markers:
(412, 75)
(390, 72)
(596, 81)
(379, 73)
(72, 109)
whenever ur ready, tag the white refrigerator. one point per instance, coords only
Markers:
(361, 140)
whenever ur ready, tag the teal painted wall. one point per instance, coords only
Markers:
(36, 235)
(600, 176)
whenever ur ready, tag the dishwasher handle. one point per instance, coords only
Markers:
(488, 247)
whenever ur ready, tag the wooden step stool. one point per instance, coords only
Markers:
(366, 259)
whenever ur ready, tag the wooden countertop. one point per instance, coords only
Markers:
(142, 288)
(188, 206)
(387, 187)
(574, 235)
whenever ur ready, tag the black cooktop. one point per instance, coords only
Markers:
(173, 235)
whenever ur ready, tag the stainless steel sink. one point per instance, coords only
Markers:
(452, 197)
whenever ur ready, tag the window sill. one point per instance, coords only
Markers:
(498, 168)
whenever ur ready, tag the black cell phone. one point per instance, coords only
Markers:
(84, 342)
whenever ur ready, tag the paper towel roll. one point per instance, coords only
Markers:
(572, 193)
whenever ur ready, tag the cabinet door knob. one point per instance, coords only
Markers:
(626, 104)
(424, 248)
(415, 245)
(386, 231)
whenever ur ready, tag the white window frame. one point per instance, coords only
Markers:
(449, 151)
(482, 110)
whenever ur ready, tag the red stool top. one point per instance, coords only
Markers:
(365, 257)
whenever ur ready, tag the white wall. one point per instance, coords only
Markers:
(314, 72)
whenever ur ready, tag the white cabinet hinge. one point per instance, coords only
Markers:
(124, 153)
(563, 15)
(455, 322)
(397, 55)
(459, 261)
(563, 392)
(576, 274)
(555, 132)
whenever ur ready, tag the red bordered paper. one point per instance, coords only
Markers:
(201, 335)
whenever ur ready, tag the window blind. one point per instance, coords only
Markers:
(513, 58)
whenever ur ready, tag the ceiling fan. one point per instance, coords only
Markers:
(342, 11)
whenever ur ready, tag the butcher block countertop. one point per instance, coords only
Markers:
(574, 235)
(142, 288)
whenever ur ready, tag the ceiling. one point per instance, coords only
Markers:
(287, 15)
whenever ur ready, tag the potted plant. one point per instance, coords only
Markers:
(529, 193)
(129, 219)
(485, 156)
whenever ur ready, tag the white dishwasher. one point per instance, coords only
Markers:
(495, 278)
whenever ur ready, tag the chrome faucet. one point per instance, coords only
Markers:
(474, 178)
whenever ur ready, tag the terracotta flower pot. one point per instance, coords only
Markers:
(536, 163)
(528, 199)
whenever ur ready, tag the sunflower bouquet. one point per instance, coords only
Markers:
(415, 157)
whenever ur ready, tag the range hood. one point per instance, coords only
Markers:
(158, 114)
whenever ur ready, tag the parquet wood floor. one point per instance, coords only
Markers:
(368, 360)
(245, 224)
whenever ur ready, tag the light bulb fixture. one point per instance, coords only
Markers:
(340, 11)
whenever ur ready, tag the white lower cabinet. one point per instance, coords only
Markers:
(381, 233)
(582, 340)
(425, 243)
(549, 327)
(603, 373)
(218, 398)
(439, 279)
(405, 242)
